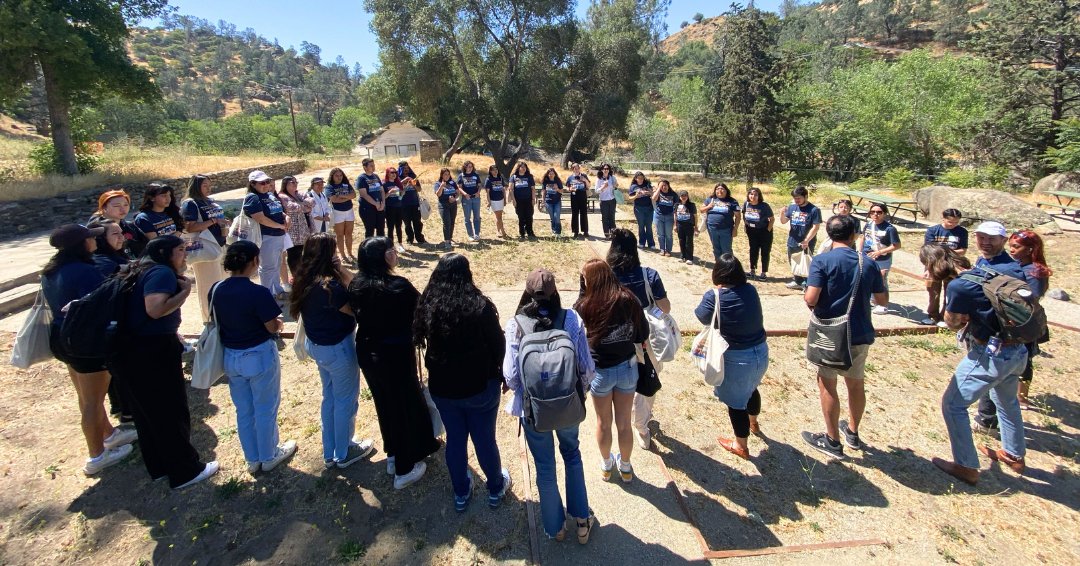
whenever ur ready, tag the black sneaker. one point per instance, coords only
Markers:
(850, 438)
(822, 443)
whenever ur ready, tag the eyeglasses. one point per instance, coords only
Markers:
(263, 182)
(876, 212)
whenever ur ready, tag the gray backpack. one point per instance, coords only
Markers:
(553, 397)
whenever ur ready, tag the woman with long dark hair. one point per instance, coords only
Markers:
(386, 355)
(616, 327)
(664, 198)
(722, 215)
(109, 256)
(758, 218)
(458, 327)
(394, 209)
(159, 215)
(641, 190)
(446, 190)
(540, 304)
(553, 190)
(341, 194)
(263, 207)
(880, 239)
(496, 193)
(606, 187)
(623, 258)
(248, 319)
(298, 208)
(70, 274)
(410, 203)
(469, 182)
(203, 213)
(578, 185)
(320, 295)
(150, 372)
(114, 205)
(747, 358)
(521, 194)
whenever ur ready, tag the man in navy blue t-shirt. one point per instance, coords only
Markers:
(828, 293)
(992, 365)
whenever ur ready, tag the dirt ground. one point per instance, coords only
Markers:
(786, 495)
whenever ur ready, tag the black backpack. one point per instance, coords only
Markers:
(1021, 317)
(91, 324)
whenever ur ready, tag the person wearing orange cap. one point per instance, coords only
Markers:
(114, 205)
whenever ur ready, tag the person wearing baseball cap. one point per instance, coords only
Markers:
(262, 206)
(70, 274)
(990, 238)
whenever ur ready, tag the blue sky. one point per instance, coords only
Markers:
(340, 27)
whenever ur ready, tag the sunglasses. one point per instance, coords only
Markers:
(263, 182)
(877, 212)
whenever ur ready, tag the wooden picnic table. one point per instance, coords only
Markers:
(892, 205)
(1064, 201)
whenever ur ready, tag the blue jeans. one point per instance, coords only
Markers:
(622, 376)
(470, 212)
(644, 226)
(542, 446)
(472, 417)
(555, 214)
(721, 240)
(665, 225)
(743, 370)
(340, 387)
(255, 386)
(975, 375)
(270, 263)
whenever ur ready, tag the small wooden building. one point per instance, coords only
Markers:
(397, 140)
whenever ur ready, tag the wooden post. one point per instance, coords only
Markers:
(292, 114)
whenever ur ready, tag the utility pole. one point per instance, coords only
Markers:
(292, 114)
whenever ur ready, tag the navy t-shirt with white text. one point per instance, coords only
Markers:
(801, 218)
(495, 187)
(270, 206)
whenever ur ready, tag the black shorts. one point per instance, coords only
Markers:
(80, 365)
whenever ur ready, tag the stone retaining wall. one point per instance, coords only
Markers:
(28, 216)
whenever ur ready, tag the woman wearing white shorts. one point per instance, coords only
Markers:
(341, 194)
(496, 190)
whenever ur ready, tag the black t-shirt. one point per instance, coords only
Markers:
(324, 322)
(620, 337)
(522, 187)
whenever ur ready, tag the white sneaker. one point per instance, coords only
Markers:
(881, 310)
(284, 452)
(107, 458)
(644, 440)
(401, 482)
(400, 249)
(390, 467)
(121, 436)
(210, 469)
(941, 324)
(792, 284)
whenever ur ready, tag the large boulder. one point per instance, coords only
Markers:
(1069, 181)
(984, 204)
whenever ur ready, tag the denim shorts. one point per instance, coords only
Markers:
(621, 377)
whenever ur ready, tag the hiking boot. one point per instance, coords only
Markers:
(967, 475)
(495, 499)
(461, 502)
(606, 466)
(626, 471)
(584, 528)
(822, 443)
(284, 452)
(120, 436)
(209, 469)
(1000, 455)
(850, 438)
(107, 458)
(401, 482)
(357, 451)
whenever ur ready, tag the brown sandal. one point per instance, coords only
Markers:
(584, 528)
(730, 445)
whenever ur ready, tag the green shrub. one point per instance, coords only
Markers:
(45, 160)
(959, 178)
(866, 183)
(785, 181)
(899, 179)
(994, 176)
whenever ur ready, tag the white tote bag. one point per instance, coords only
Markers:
(244, 228)
(664, 335)
(32, 341)
(425, 208)
(209, 364)
(433, 410)
(800, 264)
(709, 347)
(300, 341)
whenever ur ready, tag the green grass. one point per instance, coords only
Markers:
(351, 551)
(231, 488)
(910, 376)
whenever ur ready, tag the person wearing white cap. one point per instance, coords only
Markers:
(263, 207)
(990, 238)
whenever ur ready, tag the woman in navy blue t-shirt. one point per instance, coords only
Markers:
(552, 188)
(722, 217)
(394, 206)
(341, 194)
(469, 183)
(521, 184)
(741, 324)
(263, 207)
(372, 206)
(248, 319)
(758, 218)
(320, 299)
(880, 239)
(664, 199)
(496, 191)
(410, 203)
(159, 215)
(641, 191)
(446, 190)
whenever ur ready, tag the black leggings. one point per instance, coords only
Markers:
(393, 222)
(760, 243)
(524, 209)
(579, 212)
(740, 418)
(686, 239)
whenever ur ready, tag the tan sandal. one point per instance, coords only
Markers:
(584, 528)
